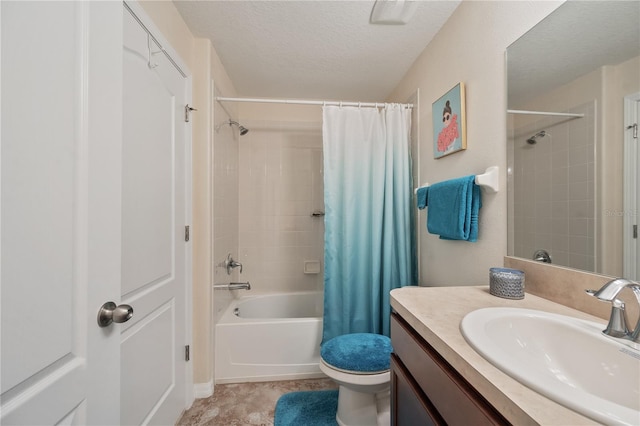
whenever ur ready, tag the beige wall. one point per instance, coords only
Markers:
(201, 219)
(618, 81)
(280, 112)
(173, 27)
(469, 48)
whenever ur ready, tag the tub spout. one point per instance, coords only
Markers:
(233, 286)
(240, 286)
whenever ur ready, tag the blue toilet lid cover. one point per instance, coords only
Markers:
(358, 352)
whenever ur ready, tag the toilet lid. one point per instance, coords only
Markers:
(360, 353)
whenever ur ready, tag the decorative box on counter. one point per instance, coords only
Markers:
(507, 283)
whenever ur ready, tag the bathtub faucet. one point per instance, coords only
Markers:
(233, 286)
(230, 264)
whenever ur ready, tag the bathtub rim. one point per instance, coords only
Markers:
(228, 317)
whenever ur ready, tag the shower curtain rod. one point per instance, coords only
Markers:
(558, 114)
(306, 102)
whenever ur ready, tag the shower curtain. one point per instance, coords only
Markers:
(369, 247)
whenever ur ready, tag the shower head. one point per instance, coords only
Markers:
(243, 130)
(533, 139)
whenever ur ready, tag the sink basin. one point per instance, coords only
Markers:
(565, 359)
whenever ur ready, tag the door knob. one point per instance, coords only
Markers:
(109, 313)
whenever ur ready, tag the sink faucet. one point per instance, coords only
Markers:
(617, 326)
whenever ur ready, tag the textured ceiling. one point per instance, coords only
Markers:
(313, 49)
(577, 38)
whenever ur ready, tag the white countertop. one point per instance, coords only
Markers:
(435, 313)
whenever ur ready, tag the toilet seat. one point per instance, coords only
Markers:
(358, 353)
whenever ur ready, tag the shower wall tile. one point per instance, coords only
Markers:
(580, 190)
(559, 191)
(560, 242)
(554, 194)
(280, 186)
(225, 152)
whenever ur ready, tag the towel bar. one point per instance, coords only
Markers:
(489, 180)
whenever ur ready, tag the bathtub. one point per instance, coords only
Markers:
(269, 337)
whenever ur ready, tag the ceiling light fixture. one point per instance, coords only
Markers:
(392, 12)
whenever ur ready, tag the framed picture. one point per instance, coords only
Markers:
(449, 128)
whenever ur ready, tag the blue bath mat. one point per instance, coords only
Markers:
(309, 408)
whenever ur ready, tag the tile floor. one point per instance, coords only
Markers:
(241, 404)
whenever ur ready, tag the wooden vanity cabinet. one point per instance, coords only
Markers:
(426, 390)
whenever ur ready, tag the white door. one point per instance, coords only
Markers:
(154, 205)
(60, 211)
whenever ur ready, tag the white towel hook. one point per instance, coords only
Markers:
(151, 53)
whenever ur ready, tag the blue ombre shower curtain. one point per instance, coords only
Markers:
(369, 248)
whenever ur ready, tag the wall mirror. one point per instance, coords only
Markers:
(573, 87)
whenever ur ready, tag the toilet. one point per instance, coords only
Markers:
(359, 363)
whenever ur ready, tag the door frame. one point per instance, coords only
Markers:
(154, 32)
(630, 186)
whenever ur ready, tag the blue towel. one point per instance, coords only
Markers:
(421, 196)
(453, 209)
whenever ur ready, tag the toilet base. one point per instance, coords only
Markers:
(363, 399)
(362, 408)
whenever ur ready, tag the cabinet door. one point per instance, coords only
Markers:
(454, 398)
(409, 406)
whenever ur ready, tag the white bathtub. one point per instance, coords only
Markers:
(273, 337)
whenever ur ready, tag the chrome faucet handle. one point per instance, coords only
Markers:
(617, 326)
(542, 256)
(235, 264)
(230, 264)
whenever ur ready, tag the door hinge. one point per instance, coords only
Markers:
(635, 231)
(187, 113)
(186, 353)
(186, 233)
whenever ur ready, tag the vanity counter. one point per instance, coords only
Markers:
(435, 314)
